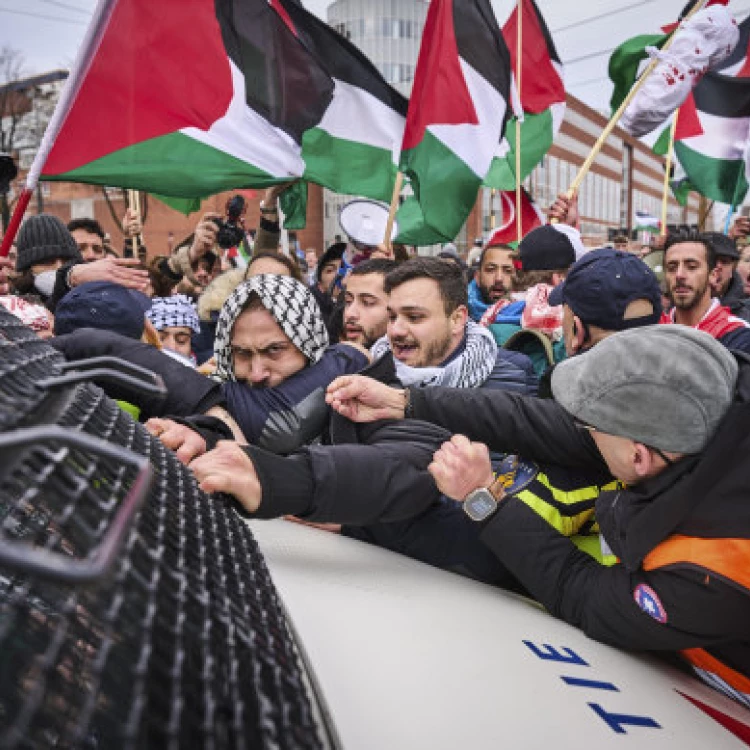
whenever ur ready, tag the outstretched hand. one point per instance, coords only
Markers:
(127, 272)
(229, 469)
(363, 399)
(185, 442)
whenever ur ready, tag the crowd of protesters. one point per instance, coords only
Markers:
(552, 419)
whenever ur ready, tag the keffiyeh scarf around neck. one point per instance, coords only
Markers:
(470, 369)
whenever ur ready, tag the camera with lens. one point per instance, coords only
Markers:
(232, 228)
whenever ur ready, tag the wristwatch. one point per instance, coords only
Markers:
(481, 503)
(513, 475)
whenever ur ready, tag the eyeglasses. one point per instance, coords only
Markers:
(590, 428)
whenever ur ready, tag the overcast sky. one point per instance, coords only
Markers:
(48, 32)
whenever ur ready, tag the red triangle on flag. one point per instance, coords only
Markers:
(530, 218)
(440, 95)
(146, 60)
(541, 85)
(744, 71)
(688, 121)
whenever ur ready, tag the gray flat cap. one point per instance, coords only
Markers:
(667, 386)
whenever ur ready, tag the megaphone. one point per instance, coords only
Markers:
(365, 221)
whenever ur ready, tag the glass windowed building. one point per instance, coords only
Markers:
(388, 32)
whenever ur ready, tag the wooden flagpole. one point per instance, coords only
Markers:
(140, 217)
(133, 201)
(392, 212)
(583, 171)
(668, 173)
(519, 73)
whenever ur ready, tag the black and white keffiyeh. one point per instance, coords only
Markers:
(177, 311)
(292, 306)
(469, 370)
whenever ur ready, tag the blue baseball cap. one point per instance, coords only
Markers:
(600, 286)
(102, 304)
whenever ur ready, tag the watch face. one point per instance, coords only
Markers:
(480, 505)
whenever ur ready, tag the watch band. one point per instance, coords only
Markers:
(497, 489)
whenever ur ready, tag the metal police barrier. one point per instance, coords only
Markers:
(134, 613)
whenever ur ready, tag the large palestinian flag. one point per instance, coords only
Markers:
(457, 113)
(713, 137)
(625, 62)
(711, 133)
(189, 99)
(542, 98)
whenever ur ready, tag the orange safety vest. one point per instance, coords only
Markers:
(729, 559)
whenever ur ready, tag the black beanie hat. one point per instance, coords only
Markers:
(43, 238)
(551, 247)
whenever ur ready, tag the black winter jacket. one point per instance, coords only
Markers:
(735, 298)
(188, 392)
(634, 605)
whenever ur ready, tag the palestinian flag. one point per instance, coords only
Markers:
(646, 222)
(713, 137)
(625, 62)
(457, 112)
(531, 218)
(190, 99)
(542, 98)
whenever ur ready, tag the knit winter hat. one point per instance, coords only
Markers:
(44, 238)
(292, 306)
(172, 312)
(104, 305)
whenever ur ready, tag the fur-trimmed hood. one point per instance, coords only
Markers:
(216, 293)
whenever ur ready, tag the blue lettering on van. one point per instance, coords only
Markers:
(615, 721)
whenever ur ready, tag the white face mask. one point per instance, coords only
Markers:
(45, 282)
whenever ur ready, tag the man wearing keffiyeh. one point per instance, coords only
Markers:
(175, 319)
(274, 362)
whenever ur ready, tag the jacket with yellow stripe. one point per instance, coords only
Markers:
(682, 538)
(443, 535)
